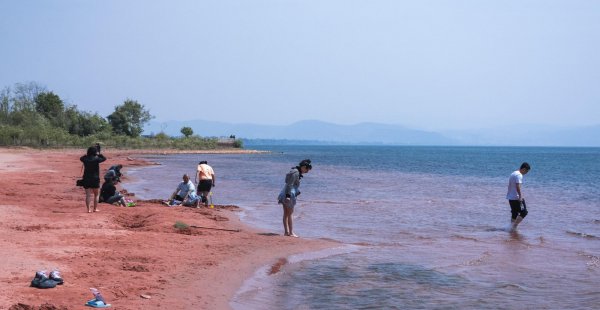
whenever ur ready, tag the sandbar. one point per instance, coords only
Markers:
(134, 256)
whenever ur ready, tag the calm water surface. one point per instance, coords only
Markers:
(425, 225)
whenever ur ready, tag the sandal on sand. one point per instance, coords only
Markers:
(41, 280)
(95, 303)
(55, 276)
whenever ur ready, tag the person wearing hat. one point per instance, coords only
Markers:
(114, 174)
(287, 196)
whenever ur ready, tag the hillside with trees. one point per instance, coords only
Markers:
(31, 115)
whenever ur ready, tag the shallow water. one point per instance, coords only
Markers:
(429, 221)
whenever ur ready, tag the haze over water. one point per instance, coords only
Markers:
(427, 225)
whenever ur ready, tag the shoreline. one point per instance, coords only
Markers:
(119, 151)
(124, 252)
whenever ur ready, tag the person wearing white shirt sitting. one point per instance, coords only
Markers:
(184, 194)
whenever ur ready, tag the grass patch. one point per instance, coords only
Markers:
(181, 225)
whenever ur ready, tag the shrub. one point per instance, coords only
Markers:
(181, 225)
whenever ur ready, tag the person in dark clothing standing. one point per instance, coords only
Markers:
(91, 176)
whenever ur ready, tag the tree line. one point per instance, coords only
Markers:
(31, 115)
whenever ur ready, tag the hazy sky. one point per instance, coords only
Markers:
(425, 64)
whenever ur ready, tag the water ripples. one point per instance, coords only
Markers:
(431, 227)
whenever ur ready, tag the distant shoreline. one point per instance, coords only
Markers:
(120, 151)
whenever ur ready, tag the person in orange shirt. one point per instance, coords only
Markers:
(205, 176)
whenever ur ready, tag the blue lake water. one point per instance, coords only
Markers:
(425, 225)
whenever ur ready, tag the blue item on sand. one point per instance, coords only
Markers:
(95, 303)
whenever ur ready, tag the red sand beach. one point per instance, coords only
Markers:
(124, 252)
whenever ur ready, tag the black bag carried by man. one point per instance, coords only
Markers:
(524, 211)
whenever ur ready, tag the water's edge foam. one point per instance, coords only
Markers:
(264, 278)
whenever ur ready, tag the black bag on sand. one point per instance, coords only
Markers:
(79, 182)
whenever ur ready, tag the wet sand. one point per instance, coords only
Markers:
(124, 252)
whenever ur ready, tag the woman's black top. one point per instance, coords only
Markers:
(91, 166)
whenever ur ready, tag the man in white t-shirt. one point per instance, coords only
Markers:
(515, 196)
(184, 194)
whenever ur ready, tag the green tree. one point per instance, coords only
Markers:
(238, 143)
(187, 131)
(129, 118)
(4, 105)
(83, 123)
(25, 94)
(27, 118)
(92, 123)
(71, 117)
(50, 106)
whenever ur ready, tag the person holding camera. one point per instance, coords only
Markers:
(91, 175)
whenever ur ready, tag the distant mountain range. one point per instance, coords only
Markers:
(318, 132)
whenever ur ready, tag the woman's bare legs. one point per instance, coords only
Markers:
(96, 192)
(91, 193)
(287, 221)
(88, 198)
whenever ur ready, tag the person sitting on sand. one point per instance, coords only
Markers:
(287, 196)
(184, 194)
(109, 194)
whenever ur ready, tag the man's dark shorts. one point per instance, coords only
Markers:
(204, 185)
(515, 209)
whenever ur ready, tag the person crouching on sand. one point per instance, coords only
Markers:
(290, 191)
(91, 175)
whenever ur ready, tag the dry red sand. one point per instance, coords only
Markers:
(124, 252)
